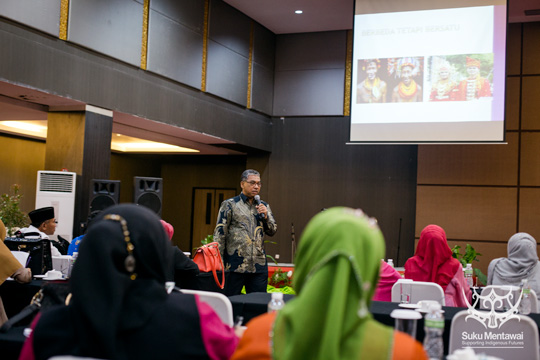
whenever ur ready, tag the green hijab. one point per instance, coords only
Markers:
(335, 276)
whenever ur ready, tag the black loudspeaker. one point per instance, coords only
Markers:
(148, 192)
(104, 193)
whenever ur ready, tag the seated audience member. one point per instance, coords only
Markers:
(521, 263)
(336, 272)
(387, 278)
(433, 262)
(119, 308)
(76, 242)
(44, 224)
(185, 270)
(10, 267)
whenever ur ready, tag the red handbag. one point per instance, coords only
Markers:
(208, 258)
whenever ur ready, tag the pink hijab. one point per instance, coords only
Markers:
(169, 230)
(387, 277)
(433, 261)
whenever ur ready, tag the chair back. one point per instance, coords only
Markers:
(420, 290)
(516, 338)
(502, 290)
(217, 301)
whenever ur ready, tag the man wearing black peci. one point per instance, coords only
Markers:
(43, 224)
(242, 222)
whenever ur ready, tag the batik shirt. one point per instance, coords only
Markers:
(240, 231)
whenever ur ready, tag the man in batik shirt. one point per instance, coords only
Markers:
(241, 225)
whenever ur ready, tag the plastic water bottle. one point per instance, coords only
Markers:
(72, 262)
(276, 303)
(391, 262)
(469, 274)
(434, 328)
(525, 304)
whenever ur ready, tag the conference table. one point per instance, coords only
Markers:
(17, 296)
(253, 304)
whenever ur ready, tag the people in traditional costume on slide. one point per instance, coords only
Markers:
(433, 262)
(372, 89)
(408, 90)
(445, 89)
(475, 86)
(335, 276)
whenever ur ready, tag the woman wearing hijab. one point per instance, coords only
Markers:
(10, 267)
(185, 269)
(335, 276)
(521, 263)
(433, 262)
(119, 308)
(387, 278)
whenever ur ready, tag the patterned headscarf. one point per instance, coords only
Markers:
(335, 277)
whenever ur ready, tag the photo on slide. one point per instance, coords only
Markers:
(460, 77)
(390, 80)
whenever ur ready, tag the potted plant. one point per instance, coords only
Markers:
(10, 212)
(280, 281)
(468, 257)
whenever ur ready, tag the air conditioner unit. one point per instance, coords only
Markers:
(57, 189)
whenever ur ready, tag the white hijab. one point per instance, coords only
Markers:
(521, 263)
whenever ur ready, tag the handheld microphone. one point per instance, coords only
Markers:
(257, 199)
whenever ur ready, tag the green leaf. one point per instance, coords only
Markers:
(481, 278)
(272, 258)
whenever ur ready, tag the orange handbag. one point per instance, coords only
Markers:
(208, 258)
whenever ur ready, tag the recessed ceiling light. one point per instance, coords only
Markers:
(298, 12)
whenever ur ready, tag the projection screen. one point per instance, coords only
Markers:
(428, 71)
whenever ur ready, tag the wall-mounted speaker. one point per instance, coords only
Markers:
(104, 193)
(148, 192)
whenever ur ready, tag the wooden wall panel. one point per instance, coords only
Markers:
(529, 222)
(476, 213)
(20, 161)
(513, 93)
(65, 141)
(530, 159)
(513, 49)
(530, 106)
(312, 168)
(469, 164)
(182, 174)
(531, 48)
(487, 216)
(125, 166)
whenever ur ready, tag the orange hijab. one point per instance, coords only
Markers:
(433, 261)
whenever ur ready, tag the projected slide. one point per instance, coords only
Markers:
(429, 75)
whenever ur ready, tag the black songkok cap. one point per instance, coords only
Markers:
(38, 216)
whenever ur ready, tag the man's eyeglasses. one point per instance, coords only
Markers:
(254, 183)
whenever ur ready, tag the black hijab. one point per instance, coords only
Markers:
(106, 300)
